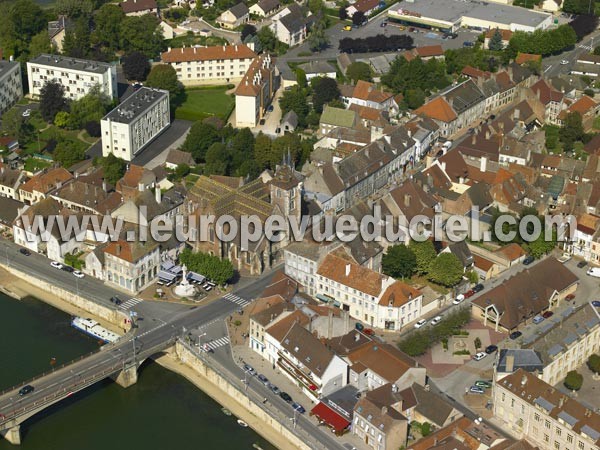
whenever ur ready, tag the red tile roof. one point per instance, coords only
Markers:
(357, 277)
(438, 109)
(365, 5)
(522, 58)
(428, 51)
(130, 6)
(262, 65)
(208, 53)
(398, 294)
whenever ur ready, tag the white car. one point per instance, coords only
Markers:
(27, 113)
(436, 320)
(459, 298)
(479, 356)
(564, 62)
(56, 265)
(420, 323)
(78, 274)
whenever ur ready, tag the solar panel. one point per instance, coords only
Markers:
(541, 401)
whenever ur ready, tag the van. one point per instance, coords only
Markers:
(594, 272)
(447, 145)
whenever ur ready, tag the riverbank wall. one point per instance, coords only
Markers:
(188, 364)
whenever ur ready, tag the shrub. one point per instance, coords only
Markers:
(93, 129)
(593, 363)
(573, 380)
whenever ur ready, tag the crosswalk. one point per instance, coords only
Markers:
(237, 300)
(587, 47)
(221, 342)
(128, 304)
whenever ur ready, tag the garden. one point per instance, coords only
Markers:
(204, 102)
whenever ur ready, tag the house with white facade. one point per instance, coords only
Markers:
(255, 91)
(265, 8)
(78, 76)
(219, 64)
(290, 25)
(367, 94)
(132, 125)
(11, 85)
(234, 17)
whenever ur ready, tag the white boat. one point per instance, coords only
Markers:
(241, 423)
(94, 329)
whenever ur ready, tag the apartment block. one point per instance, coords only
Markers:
(127, 129)
(11, 85)
(531, 409)
(256, 90)
(78, 76)
(210, 65)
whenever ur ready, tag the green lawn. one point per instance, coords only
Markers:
(206, 102)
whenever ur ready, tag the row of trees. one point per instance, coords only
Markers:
(544, 42)
(379, 43)
(419, 341)
(401, 261)
(218, 270)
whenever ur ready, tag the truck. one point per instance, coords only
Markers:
(594, 272)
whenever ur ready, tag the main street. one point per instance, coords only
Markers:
(552, 66)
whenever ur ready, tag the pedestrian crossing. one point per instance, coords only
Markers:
(587, 47)
(237, 300)
(213, 345)
(128, 304)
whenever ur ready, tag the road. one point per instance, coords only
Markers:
(552, 66)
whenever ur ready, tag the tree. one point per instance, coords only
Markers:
(247, 30)
(107, 26)
(324, 89)
(593, 363)
(14, 125)
(267, 39)
(114, 168)
(182, 171)
(573, 380)
(93, 129)
(301, 78)
(218, 270)
(74, 9)
(425, 429)
(52, 100)
(572, 130)
(597, 50)
(358, 18)
(262, 150)
(477, 343)
(425, 254)
(217, 159)
(496, 41)
(68, 153)
(295, 100)
(142, 34)
(342, 13)
(199, 139)
(578, 7)
(446, 270)
(40, 43)
(164, 76)
(135, 66)
(399, 262)
(77, 42)
(316, 6)
(414, 98)
(359, 71)
(89, 108)
(317, 40)
(62, 119)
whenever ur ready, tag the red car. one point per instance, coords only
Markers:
(570, 297)
(469, 293)
(547, 314)
(368, 332)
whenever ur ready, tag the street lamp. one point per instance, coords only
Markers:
(200, 340)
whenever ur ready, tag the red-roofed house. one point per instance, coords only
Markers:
(506, 35)
(365, 6)
(255, 92)
(552, 100)
(586, 107)
(366, 94)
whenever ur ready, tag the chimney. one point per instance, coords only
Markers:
(348, 266)
(483, 167)
(561, 402)
(356, 337)
(157, 194)
(346, 315)
(169, 49)
(394, 388)
(384, 410)
(104, 186)
(330, 324)
(443, 164)
(510, 363)
(517, 113)
(141, 187)
(487, 135)
(428, 161)
(407, 200)
(473, 139)
(524, 380)
(118, 249)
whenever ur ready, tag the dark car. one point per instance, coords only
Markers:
(264, 380)
(491, 349)
(547, 314)
(24, 251)
(596, 303)
(68, 269)
(528, 260)
(262, 121)
(270, 108)
(468, 44)
(286, 397)
(298, 407)
(26, 390)
(383, 24)
(359, 326)
(116, 300)
(582, 264)
(249, 369)
(478, 287)
(515, 335)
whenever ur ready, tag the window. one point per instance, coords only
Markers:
(547, 424)
(581, 445)
(546, 438)
(570, 438)
(556, 445)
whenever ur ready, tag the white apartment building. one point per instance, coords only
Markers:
(11, 85)
(531, 409)
(131, 265)
(255, 92)
(369, 296)
(128, 128)
(219, 64)
(78, 76)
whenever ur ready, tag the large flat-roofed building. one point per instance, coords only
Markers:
(452, 14)
(128, 128)
(78, 76)
(11, 85)
(218, 64)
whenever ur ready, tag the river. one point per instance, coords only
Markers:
(161, 411)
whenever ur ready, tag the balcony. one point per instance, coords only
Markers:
(303, 379)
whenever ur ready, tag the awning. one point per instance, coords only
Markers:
(176, 270)
(323, 298)
(167, 265)
(329, 416)
(193, 276)
(166, 276)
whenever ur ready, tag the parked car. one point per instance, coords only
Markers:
(483, 384)
(298, 407)
(275, 389)
(68, 269)
(369, 331)
(459, 298)
(469, 293)
(420, 323)
(479, 356)
(264, 380)
(478, 287)
(596, 303)
(564, 258)
(359, 326)
(468, 44)
(570, 297)
(547, 314)
(476, 390)
(249, 369)
(515, 335)
(491, 349)
(27, 389)
(564, 62)
(27, 113)
(78, 274)
(24, 251)
(528, 260)
(538, 319)
(582, 264)
(383, 24)
(270, 108)
(56, 265)
(286, 397)
(436, 320)
(347, 28)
